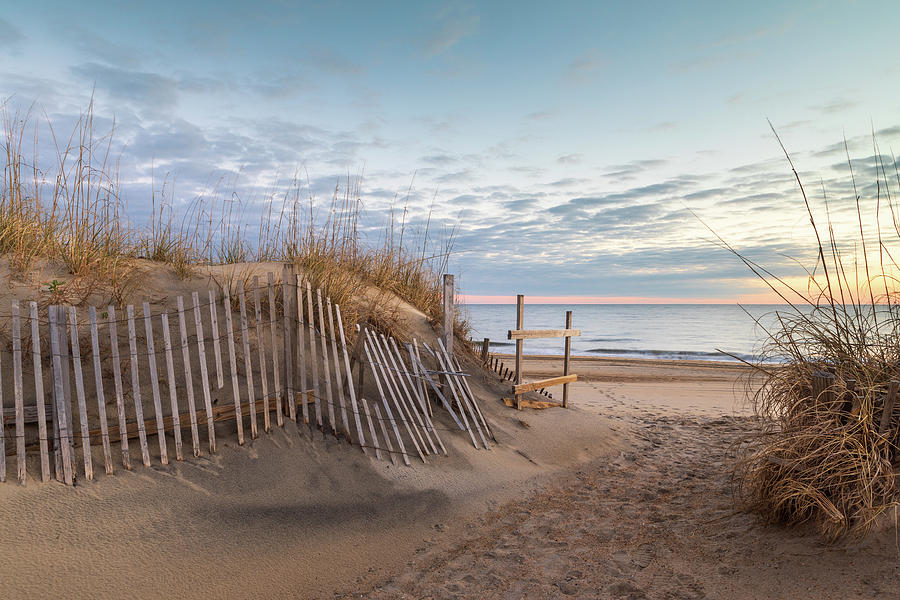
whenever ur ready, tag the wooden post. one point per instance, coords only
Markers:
(337, 369)
(287, 330)
(136, 386)
(565, 398)
(261, 350)
(520, 324)
(59, 393)
(62, 319)
(449, 313)
(324, 342)
(40, 398)
(204, 374)
(217, 346)
(18, 395)
(353, 405)
(188, 377)
(312, 353)
(485, 346)
(301, 345)
(154, 385)
(79, 390)
(117, 379)
(98, 385)
(248, 364)
(170, 378)
(232, 363)
(273, 328)
(384, 433)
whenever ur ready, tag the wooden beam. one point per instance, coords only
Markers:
(536, 385)
(520, 323)
(538, 404)
(533, 334)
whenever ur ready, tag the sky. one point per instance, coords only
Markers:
(580, 151)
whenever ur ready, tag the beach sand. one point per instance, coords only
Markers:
(625, 495)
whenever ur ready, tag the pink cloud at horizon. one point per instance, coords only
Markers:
(487, 299)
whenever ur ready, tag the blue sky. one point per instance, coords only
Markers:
(565, 140)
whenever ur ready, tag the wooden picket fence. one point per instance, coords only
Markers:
(286, 355)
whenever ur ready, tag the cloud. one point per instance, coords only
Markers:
(452, 27)
(540, 115)
(10, 35)
(143, 88)
(333, 61)
(570, 159)
(584, 66)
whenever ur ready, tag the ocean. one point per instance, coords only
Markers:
(665, 331)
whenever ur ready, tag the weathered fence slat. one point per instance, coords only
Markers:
(188, 376)
(117, 380)
(261, 350)
(339, 385)
(312, 353)
(394, 391)
(170, 380)
(18, 393)
(409, 404)
(79, 392)
(63, 423)
(325, 370)
(232, 362)
(38, 394)
(424, 372)
(458, 393)
(154, 385)
(217, 346)
(463, 408)
(301, 346)
(98, 388)
(418, 358)
(276, 376)
(248, 364)
(473, 400)
(426, 409)
(352, 391)
(204, 373)
(384, 432)
(136, 386)
(387, 408)
(62, 320)
(287, 328)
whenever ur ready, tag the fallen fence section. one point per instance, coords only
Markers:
(78, 379)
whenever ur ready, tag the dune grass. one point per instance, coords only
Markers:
(822, 455)
(72, 212)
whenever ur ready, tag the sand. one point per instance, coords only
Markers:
(626, 494)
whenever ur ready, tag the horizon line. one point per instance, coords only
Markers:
(511, 299)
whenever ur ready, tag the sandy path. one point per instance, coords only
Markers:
(656, 522)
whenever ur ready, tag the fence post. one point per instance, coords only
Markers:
(484, 350)
(520, 324)
(565, 398)
(448, 313)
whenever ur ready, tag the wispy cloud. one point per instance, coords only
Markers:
(10, 35)
(585, 66)
(452, 26)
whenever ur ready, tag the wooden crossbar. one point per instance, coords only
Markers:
(533, 334)
(543, 383)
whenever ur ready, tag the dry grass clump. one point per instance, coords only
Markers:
(827, 449)
(71, 212)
